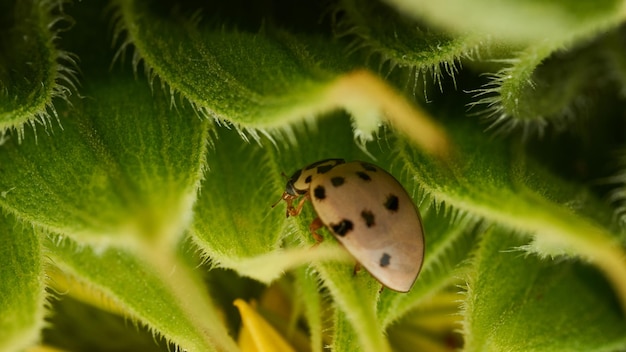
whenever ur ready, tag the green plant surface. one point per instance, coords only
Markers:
(171, 304)
(23, 288)
(137, 184)
(34, 70)
(551, 20)
(497, 317)
(149, 203)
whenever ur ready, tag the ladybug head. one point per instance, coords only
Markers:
(290, 189)
(289, 194)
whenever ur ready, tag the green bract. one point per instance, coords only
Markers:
(143, 144)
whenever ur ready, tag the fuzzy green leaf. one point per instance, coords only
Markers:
(133, 165)
(235, 224)
(509, 20)
(124, 166)
(21, 285)
(536, 201)
(431, 327)
(616, 61)
(294, 76)
(404, 44)
(161, 293)
(33, 71)
(513, 299)
(77, 326)
(539, 85)
(542, 86)
(310, 299)
(218, 81)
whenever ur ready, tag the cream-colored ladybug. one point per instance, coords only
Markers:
(368, 211)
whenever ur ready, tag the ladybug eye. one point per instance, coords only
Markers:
(290, 189)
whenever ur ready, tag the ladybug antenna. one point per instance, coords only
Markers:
(281, 198)
(285, 195)
(282, 173)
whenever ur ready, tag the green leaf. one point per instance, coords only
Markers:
(616, 62)
(345, 335)
(542, 86)
(77, 326)
(388, 37)
(235, 224)
(286, 76)
(133, 166)
(125, 167)
(509, 20)
(311, 302)
(432, 327)
(162, 293)
(512, 298)
(21, 284)
(33, 71)
(355, 318)
(294, 76)
(536, 201)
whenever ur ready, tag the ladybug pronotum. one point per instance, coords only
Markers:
(369, 213)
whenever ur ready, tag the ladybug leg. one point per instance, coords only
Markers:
(289, 207)
(294, 211)
(316, 225)
(382, 287)
(357, 268)
(288, 198)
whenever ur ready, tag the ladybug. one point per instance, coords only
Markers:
(369, 213)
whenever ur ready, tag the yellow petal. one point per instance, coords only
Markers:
(257, 334)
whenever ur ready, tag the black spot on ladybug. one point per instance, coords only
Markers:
(363, 176)
(324, 169)
(333, 162)
(342, 228)
(368, 216)
(308, 179)
(391, 203)
(369, 167)
(319, 192)
(385, 260)
(337, 181)
(316, 164)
